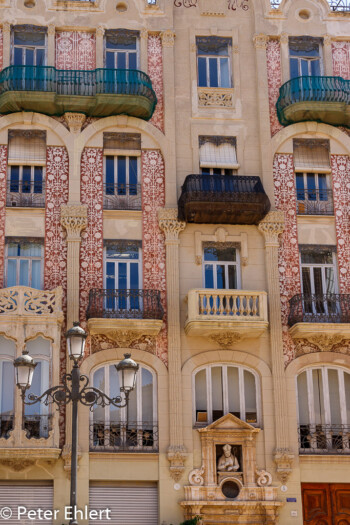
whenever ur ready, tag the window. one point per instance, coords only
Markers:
(121, 49)
(217, 155)
(29, 46)
(213, 62)
(223, 389)
(24, 263)
(221, 266)
(305, 56)
(7, 355)
(37, 418)
(324, 409)
(121, 429)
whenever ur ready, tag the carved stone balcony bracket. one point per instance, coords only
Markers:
(74, 220)
(177, 457)
(125, 331)
(19, 459)
(66, 455)
(170, 225)
(284, 460)
(271, 227)
(74, 121)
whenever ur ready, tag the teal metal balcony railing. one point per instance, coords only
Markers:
(321, 99)
(335, 5)
(99, 92)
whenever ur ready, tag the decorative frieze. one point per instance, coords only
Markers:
(215, 97)
(340, 165)
(75, 50)
(341, 59)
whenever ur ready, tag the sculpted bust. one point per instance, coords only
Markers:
(228, 461)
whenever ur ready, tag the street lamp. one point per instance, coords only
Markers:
(70, 391)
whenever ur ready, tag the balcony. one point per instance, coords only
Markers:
(315, 202)
(96, 93)
(29, 302)
(223, 199)
(237, 312)
(37, 426)
(129, 313)
(342, 6)
(314, 315)
(124, 437)
(25, 195)
(121, 196)
(320, 99)
(324, 439)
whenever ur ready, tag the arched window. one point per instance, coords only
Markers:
(7, 382)
(223, 389)
(125, 429)
(37, 418)
(324, 409)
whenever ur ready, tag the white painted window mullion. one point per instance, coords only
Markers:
(342, 397)
(225, 389)
(241, 393)
(310, 394)
(209, 395)
(326, 399)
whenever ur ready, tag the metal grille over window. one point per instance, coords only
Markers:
(217, 152)
(27, 145)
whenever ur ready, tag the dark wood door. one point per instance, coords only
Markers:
(326, 504)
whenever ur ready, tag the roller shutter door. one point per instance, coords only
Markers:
(31, 496)
(129, 505)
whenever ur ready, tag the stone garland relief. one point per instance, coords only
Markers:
(75, 50)
(55, 260)
(341, 59)
(3, 172)
(274, 81)
(155, 72)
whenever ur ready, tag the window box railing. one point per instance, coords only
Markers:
(25, 194)
(37, 426)
(335, 5)
(97, 93)
(324, 439)
(121, 196)
(124, 304)
(6, 425)
(124, 437)
(322, 99)
(323, 308)
(315, 202)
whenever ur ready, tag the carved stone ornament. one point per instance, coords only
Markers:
(272, 226)
(74, 220)
(169, 223)
(74, 121)
(284, 460)
(195, 477)
(325, 342)
(66, 455)
(177, 457)
(124, 338)
(100, 31)
(6, 27)
(17, 464)
(284, 38)
(144, 34)
(168, 38)
(215, 97)
(225, 339)
(263, 478)
(260, 41)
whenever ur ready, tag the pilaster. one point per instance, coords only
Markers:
(6, 32)
(99, 46)
(143, 50)
(327, 56)
(284, 42)
(171, 226)
(51, 31)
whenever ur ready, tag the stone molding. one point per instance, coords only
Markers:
(177, 457)
(271, 227)
(74, 121)
(284, 460)
(168, 38)
(74, 220)
(170, 225)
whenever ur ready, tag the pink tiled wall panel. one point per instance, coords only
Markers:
(341, 59)
(155, 72)
(340, 165)
(75, 50)
(274, 81)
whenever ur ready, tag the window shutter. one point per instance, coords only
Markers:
(27, 146)
(123, 141)
(222, 155)
(311, 155)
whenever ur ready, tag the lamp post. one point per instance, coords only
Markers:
(75, 388)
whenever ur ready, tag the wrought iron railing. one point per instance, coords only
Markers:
(124, 437)
(323, 308)
(315, 202)
(324, 439)
(335, 5)
(124, 304)
(25, 194)
(312, 89)
(37, 426)
(121, 196)
(6, 425)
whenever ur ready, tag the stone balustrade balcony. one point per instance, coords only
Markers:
(34, 305)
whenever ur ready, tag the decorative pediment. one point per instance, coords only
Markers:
(229, 422)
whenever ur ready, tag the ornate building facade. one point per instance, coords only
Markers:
(175, 175)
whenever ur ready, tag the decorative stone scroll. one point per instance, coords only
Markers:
(215, 97)
(263, 478)
(177, 457)
(168, 38)
(196, 477)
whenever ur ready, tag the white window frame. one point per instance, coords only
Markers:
(27, 258)
(116, 51)
(323, 267)
(13, 46)
(106, 260)
(309, 59)
(236, 263)
(32, 167)
(106, 154)
(217, 57)
(224, 367)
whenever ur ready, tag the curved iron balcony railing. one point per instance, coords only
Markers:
(223, 199)
(335, 5)
(131, 436)
(321, 99)
(124, 304)
(96, 93)
(324, 439)
(323, 308)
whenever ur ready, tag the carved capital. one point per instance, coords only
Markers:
(144, 34)
(100, 31)
(284, 460)
(168, 38)
(260, 41)
(74, 220)
(327, 40)
(195, 477)
(6, 27)
(66, 455)
(284, 38)
(263, 478)
(51, 29)
(271, 227)
(74, 121)
(177, 457)
(225, 339)
(169, 223)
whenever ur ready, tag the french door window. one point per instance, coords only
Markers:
(121, 175)
(223, 389)
(129, 428)
(318, 270)
(218, 171)
(24, 264)
(221, 267)
(213, 62)
(304, 57)
(123, 268)
(29, 48)
(314, 195)
(121, 52)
